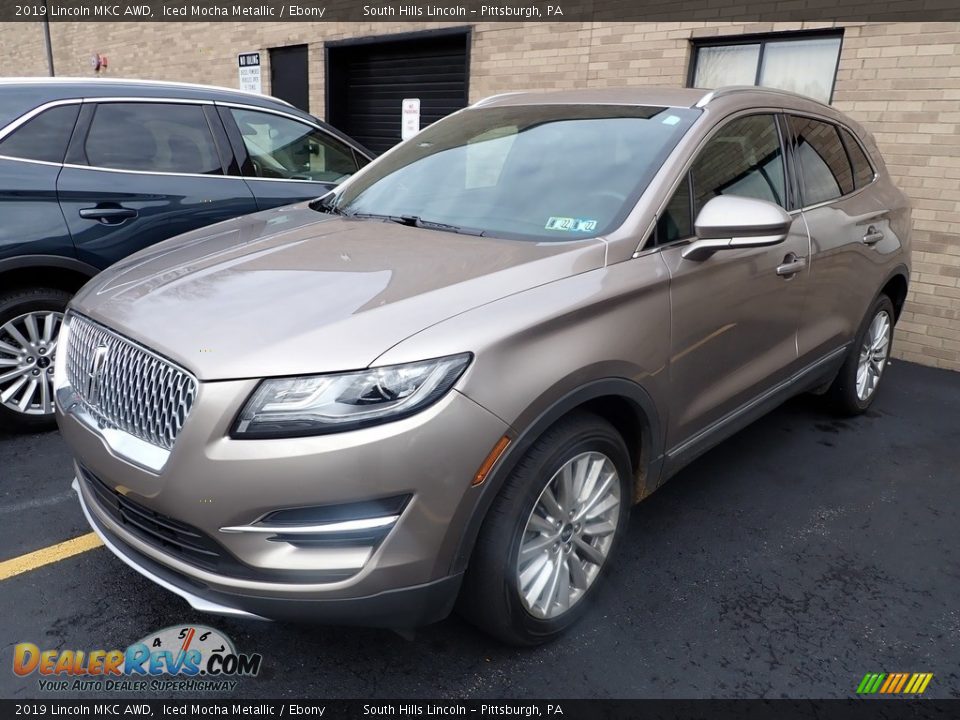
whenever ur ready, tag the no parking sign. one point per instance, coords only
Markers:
(410, 118)
(249, 68)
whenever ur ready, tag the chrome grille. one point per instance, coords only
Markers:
(125, 386)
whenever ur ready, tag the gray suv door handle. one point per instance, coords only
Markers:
(872, 236)
(791, 265)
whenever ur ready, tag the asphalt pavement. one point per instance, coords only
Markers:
(789, 561)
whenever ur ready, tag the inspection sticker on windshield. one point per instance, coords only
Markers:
(571, 224)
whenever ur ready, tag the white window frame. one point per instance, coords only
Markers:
(763, 39)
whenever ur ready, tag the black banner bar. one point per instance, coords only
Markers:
(467, 11)
(866, 709)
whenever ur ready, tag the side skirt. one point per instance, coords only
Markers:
(812, 376)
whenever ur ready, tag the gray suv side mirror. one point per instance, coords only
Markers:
(729, 222)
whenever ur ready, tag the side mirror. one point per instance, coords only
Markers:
(729, 222)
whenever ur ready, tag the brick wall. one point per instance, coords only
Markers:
(901, 80)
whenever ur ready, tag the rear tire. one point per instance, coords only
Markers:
(856, 385)
(591, 501)
(31, 360)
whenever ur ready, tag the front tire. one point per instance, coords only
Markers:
(29, 324)
(550, 533)
(855, 387)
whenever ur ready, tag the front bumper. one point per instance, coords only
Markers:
(404, 608)
(213, 484)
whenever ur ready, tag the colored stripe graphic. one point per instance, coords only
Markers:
(891, 681)
(894, 683)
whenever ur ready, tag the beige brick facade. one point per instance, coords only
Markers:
(901, 80)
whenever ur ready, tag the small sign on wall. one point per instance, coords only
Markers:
(410, 118)
(249, 68)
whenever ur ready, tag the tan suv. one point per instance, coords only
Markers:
(452, 376)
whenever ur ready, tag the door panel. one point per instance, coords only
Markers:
(141, 172)
(846, 272)
(30, 219)
(163, 206)
(270, 194)
(734, 317)
(734, 330)
(850, 235)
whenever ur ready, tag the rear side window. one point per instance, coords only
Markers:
(744, 158)
(155, 137)
(862, 170)
(824, 167)
(43, 137)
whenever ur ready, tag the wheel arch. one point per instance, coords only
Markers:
(895, 287)
(622, 402)
(53, 271)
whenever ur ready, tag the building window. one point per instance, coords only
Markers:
(804, 63)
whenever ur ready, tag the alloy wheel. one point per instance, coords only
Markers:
(873, 355)
(28, 345)
(568, 535)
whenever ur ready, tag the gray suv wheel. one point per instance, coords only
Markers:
(29, 325)
(550, 533)
(856, 384)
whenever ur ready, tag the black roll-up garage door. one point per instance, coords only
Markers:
(366, 82)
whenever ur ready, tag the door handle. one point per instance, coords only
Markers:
(791, 265)
(872, 236)
(108, 216)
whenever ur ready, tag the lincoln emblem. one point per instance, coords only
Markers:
(94, 376)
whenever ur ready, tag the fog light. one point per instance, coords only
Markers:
(358, 525)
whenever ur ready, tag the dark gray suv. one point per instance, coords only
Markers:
(93, 170)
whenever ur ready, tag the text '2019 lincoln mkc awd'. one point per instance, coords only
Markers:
(445, 382)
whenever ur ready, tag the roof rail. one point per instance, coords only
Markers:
(736, 89)
(489, 99)
(135, 81)
(702, 102)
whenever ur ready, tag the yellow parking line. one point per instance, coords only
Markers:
(48, 555)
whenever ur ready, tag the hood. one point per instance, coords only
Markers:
(291, 291)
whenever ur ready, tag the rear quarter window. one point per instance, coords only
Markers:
(43, 137)
(15, 100)
(862, 169)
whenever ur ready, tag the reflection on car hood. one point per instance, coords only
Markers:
(290, 291)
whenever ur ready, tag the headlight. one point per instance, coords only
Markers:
(319, 404)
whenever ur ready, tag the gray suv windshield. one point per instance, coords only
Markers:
(544, 172)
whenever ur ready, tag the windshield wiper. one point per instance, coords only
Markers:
(408, 220)
(417, 221)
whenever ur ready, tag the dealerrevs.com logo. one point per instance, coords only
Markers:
(178, 658)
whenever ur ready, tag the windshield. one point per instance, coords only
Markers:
(535, 172)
